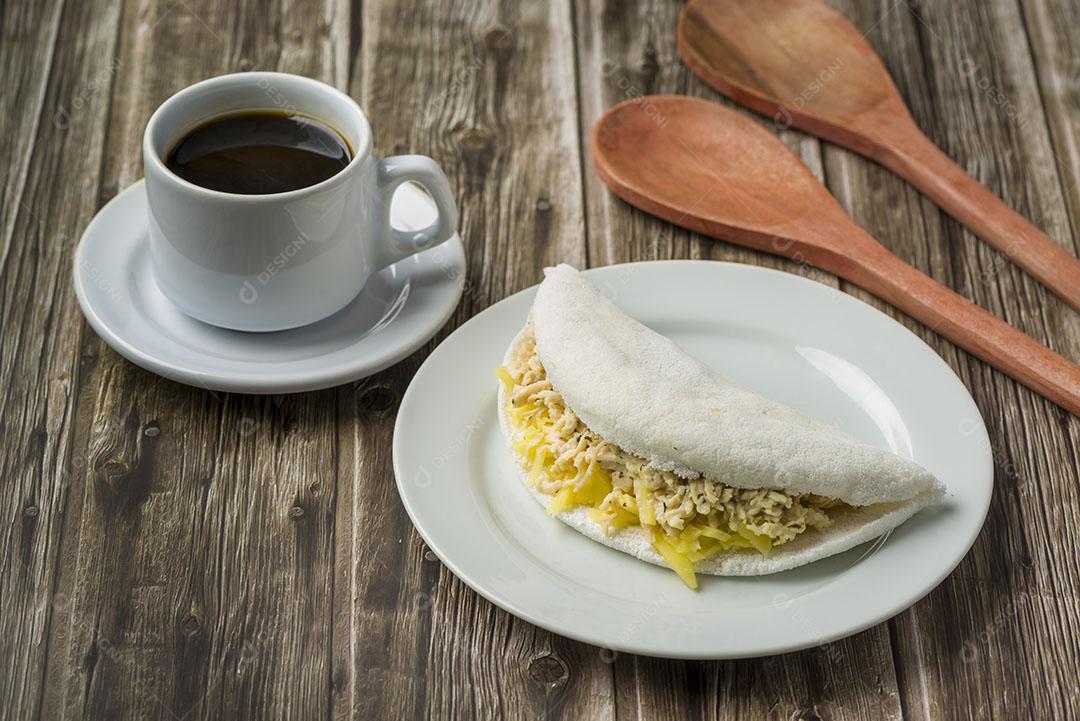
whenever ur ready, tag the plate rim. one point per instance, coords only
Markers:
(235, 381)
(629, 646)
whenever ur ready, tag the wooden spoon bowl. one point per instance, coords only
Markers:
(803, 64)
(715, 171)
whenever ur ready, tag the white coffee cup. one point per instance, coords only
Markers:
(278, 261)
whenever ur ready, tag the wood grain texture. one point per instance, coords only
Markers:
(487, 90)
(170, 552)
(196, 576)
(1051, 26)
(52, 137)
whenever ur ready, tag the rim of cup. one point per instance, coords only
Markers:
(151, 154)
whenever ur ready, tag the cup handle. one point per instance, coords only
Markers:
(397, 243)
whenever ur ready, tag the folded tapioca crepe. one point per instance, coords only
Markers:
(630, 441)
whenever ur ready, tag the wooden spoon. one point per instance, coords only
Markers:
(715, 171)
(804, 64)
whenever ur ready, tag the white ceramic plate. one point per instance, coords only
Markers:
(398, 310)
(785, 337)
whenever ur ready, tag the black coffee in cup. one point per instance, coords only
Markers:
(259, 152)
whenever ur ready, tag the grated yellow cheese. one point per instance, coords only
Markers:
(696, 542)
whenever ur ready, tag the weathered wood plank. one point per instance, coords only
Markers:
(630, 54)
(998, 638)
(55, 74)
(29, 35)
(196, 582)
(487, 89)
(1051, 27)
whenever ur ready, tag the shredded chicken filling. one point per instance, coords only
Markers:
(573, 457)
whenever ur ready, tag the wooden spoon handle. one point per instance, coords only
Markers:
(967, 325)
(910, 154)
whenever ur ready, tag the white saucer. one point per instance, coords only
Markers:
(398, 310)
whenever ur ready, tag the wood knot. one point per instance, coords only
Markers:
(499, 39)
(543, 205)
(649, 66)
(246, 64)
(807, 715)
(114, 468)
(296, 512)
(610, 67)
(476, 140)
(153, 430)
(190, 625)
(549, 670)
(246, 426)
(379, 399)
(429, 556)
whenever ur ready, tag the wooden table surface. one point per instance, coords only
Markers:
(173, 553)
